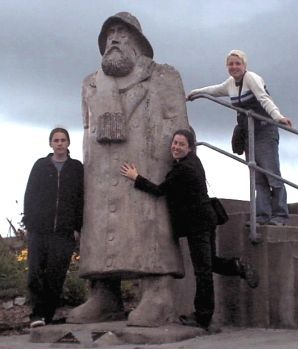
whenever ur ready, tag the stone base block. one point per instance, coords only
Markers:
(111, 333)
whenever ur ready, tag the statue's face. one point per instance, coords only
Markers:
(121, 51)
(118, 35)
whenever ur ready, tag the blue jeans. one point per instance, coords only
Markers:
(271, 199)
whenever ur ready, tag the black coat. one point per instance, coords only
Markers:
(54, 201)
(186, 195)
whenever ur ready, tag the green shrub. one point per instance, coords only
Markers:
(13, 277)
(74, 290)
(12, 274)
(130, 290)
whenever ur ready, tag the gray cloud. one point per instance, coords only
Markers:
(48, 47)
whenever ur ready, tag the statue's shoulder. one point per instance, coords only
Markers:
(166, 77)
(89, 86)
(165, 69)
(89, 80)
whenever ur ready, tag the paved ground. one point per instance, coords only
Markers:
(229, 338)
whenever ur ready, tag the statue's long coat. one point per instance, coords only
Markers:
(126, 233)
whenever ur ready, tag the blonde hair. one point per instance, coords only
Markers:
(238, 53)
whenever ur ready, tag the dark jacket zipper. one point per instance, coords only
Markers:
(57, 201)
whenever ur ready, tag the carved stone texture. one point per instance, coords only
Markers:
(126, 232)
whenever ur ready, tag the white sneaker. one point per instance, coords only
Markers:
(38, 323)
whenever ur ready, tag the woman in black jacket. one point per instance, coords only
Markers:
(53, 210)
(192, 216)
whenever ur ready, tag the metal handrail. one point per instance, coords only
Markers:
(247, 163)
(247, 112)
(251, 154)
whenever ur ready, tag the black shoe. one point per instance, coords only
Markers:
(248, 273)
(58, 321)
(191, 320)
(258, 224)
(188, 320)
(213, 328)
(210, 327)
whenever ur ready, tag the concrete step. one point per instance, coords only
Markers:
(293, 220)
(274, 303)
(235, 206)
(240, 206)
(293, 208)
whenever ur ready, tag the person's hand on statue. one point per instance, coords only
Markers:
(129, 171)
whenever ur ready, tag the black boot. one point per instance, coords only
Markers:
(247, 272)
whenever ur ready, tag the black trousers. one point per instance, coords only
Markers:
(49, 259)
(202, 249)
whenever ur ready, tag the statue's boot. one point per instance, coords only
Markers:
(156, 307)
(104, 304)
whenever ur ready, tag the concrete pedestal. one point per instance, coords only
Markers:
(274, 303)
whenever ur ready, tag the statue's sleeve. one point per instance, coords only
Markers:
(88, 88)
(171, 92)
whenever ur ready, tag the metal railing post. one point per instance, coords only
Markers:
(252, 177)
(251, 155)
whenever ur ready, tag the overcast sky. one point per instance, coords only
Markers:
(49, 46)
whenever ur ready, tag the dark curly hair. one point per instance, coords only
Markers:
(189, 135)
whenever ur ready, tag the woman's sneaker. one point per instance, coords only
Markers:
(37, 322)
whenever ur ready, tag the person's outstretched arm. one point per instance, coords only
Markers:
(256, 84)
(220, 90)
(141, 183)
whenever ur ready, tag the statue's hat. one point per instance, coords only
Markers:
(132, 22)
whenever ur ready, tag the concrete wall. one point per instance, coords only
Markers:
(274, 303)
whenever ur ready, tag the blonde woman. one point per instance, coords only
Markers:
(247, 90)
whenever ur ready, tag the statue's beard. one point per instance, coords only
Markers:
(116, 63)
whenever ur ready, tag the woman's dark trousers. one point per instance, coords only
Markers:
(203, 255)
(49, 259)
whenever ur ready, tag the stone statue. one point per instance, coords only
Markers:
(131, 107)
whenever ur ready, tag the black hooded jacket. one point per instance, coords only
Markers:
(186, 195)
(54, 200)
